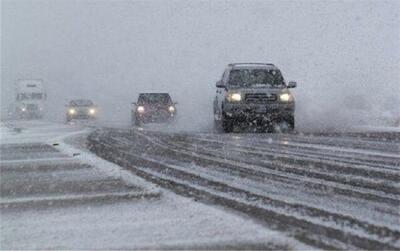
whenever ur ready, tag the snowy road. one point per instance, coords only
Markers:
(57, 195)
(337, 190)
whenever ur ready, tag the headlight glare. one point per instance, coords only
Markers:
(285, 97)
(171, 109)
(71, 111)
(140, 109)
(92, 111)
(234, 97)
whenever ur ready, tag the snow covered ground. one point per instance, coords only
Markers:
(56, 195)
(333, 190)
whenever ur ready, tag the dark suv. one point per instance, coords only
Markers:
(253, 94)
(153, 107)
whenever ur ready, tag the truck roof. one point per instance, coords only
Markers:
(154, 93)
(29, 85)
(81, 102)
(252, 65)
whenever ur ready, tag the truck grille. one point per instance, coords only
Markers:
(258, 98)
(31, 107)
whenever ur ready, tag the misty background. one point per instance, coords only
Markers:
(110, 51)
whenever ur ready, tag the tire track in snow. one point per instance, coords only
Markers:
(128, 155)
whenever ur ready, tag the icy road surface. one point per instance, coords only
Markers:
(329, 190)
(55, 195)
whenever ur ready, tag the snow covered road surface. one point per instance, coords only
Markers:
(28, 179)
(329, 191)
(55, 195)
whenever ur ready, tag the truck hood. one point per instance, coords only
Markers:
(245, 91)
(81, 108)
(28, 102)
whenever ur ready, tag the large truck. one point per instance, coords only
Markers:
(29, 100)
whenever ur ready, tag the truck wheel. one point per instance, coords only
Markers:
(217, 126)
(267, 128)
(291, 123)
(137, 122)
(227, 125)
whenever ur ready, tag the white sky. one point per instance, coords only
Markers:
(112, 50)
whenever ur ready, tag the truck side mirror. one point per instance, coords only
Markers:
(219, 84)
(292, 84)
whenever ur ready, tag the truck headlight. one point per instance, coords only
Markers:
(92, 111)
(234, 97)
(285, 97)
(140, 109)
(71, 111)
(171, 109)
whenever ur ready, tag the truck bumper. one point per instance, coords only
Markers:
(155, 117)
(266, 112)
(30, 115)
(80, 116)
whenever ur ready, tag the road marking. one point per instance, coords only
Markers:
(50, 200)
(312, 145)
(47, 160)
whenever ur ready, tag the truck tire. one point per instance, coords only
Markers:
(291, 123)
(227, 124)
(137, 122)
(217, 126)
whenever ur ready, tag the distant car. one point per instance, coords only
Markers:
(153, 107)
(81, 109)
(253, 94)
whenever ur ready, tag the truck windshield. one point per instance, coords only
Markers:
(27, 96)
(81, 102)
(155, 98)
(255, 78)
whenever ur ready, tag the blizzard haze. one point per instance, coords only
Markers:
(110, 51)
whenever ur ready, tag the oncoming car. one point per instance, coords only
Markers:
(81, 109)
(253, 94)
(153, 107)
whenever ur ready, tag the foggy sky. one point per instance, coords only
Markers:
(112, 50)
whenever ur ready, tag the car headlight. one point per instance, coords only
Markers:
(71, 111)
(92, 111)
(171, 109)
(140, 109)
(23, 109)
(234, 97)
(285, 97)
